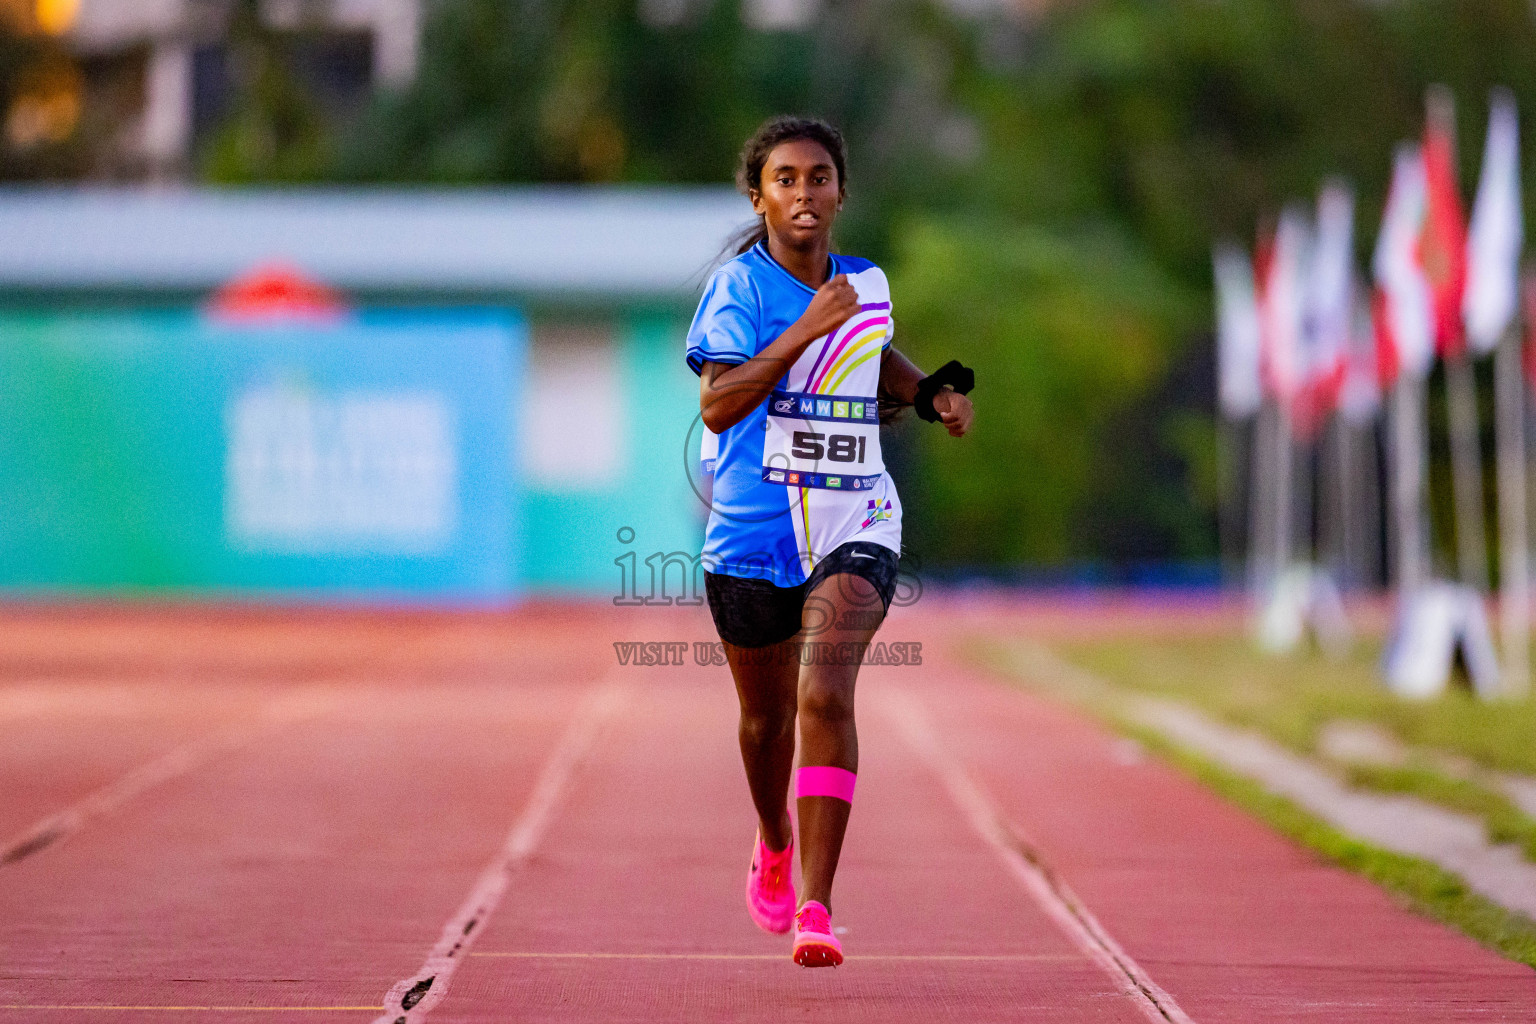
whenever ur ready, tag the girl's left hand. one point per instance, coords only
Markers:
(954, 411)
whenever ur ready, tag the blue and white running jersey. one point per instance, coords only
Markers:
(802, 473)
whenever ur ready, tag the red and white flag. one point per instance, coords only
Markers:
(1237, 334)
(1443, 240)
(1328, 309)
(1360, 393)
(1493, 245)
(1282, 282)
(1401, 306)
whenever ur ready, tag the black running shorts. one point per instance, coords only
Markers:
(755, 613)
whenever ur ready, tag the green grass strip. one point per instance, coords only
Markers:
(1419, 884)
(1504, 820)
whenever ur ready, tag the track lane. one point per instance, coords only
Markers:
(66, 739)
(1036, 877)
(645, 867)
(185, 758)
(412, 998)
(301, 872)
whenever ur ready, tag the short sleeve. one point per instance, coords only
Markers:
(874, 294)
(724, 330)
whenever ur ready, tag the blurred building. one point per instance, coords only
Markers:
(155, 74)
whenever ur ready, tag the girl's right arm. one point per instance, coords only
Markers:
(728, 393)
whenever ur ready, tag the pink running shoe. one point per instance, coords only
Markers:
(771, 887)
(815, 945)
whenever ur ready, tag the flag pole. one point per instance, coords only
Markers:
(1408, 483)
(1261, 519)
(1371, 518)
(1224, 497)
(1308, 492)
(1361, 407)
(1228, 499)
(1343, 515)
(1285, 470)
(1514, 547)
(1466, 471)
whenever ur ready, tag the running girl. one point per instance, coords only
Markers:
(792, 346)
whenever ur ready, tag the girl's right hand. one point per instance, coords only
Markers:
(831, 307)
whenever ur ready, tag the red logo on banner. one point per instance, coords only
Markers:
(276, 292)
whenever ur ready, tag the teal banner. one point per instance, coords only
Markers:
(156, 450)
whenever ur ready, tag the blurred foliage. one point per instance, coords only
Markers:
(529, 90)
(1067, 329)
(1206, 116)
(1044, 192)
(274, 130)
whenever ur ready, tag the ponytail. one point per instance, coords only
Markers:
(745, 237)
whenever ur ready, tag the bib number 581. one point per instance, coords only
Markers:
(835, 448)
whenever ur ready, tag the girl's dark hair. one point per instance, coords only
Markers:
(773, 132)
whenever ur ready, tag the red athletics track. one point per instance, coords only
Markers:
(286, 816)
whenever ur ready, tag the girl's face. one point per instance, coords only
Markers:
(800, 193)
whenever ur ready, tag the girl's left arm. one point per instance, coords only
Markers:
(899, 377)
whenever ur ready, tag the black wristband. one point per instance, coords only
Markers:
(961, 378)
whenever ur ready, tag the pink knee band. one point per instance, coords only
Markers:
(821, 780)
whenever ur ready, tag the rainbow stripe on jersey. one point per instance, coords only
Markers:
(862, 338)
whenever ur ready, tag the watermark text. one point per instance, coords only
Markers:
(656, 653)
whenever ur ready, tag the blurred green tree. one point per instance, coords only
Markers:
(274, 129)
(526, 90)
(1067, 330)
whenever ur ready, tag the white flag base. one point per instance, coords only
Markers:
(1434, 622)
(1303, 597)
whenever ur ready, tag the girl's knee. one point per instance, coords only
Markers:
(827, 701)
(761, 728)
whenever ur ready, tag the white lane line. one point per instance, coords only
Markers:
(126, 1007)
(779, 957)
(178, 761)
(1043, 885)
(411, 999)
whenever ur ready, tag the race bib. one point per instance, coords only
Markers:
(824, 441)
(823, 425)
